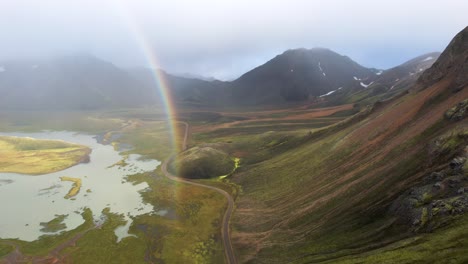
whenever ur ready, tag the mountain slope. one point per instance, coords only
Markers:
(385, 84)
(346, 192)
(73, 82)
(453, 61)
(184, 90)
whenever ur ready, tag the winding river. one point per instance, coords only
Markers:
(27, 200)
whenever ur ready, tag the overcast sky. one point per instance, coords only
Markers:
(226, 38)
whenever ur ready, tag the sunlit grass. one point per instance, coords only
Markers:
(34, 156)
(75, 189)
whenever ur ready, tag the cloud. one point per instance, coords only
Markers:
(225, 38)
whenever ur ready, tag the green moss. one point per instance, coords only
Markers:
(201, 252)
(424, 216)
(54, 225)
(425, 199)
(5, 249)
(195, 215)
(445, 246)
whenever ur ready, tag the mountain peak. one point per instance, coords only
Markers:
(298, 75)
(312, 51)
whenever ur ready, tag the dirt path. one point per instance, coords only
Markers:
(227, 215)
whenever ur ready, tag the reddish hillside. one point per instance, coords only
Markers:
(331, 196)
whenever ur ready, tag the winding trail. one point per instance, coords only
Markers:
(227, 215)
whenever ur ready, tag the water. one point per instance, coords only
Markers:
(28, 200)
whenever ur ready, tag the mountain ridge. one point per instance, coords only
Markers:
(83, 81)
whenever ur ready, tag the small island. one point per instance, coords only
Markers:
(75, 187)
(38, 156)
(54, 225)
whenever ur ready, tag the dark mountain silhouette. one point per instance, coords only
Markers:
(297, 75)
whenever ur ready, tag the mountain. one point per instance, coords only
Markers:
(384, 83)
(407, 72)
(196, 76)
(297, 75)
(184, 90)
(388, 185)
(71, 82)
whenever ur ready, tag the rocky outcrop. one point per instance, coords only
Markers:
(441, 196)
(453, 61)
(458, 112)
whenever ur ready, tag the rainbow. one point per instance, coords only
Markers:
(158, 76)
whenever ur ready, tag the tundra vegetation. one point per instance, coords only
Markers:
(75, 189)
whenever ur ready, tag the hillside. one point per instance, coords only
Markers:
(384, 186)
(384, 84)
(184, 90)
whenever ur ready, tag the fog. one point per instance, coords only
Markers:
(223, 39)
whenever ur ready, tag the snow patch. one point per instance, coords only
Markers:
(411, 73)
(396, 80)
(321, 70)
(421, 69)
(365, 85)
(379, 72)
(2, 69)
(392, 87)
(292, 70)
(428, 58)
(327, 94)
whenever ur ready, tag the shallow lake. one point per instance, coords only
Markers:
(28, 200)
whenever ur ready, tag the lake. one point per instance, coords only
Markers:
(28, 200)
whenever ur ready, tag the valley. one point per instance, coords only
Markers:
(308, 158)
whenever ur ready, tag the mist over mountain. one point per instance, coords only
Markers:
(85, 82)
(71, 82)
